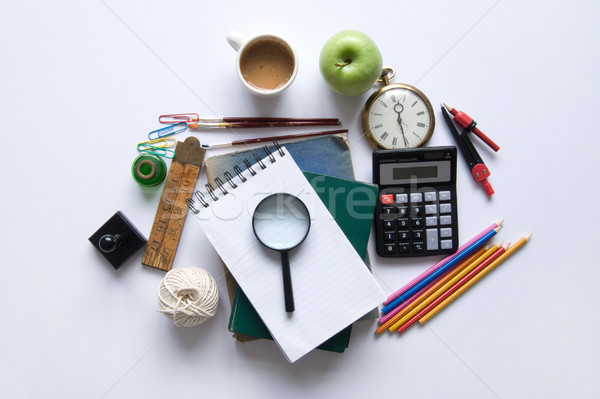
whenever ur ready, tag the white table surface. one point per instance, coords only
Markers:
(83, 82)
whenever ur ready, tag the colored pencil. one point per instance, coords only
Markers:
(412, 317)
(413, 301)
(441, 263)
(436, 306)
(456, 259)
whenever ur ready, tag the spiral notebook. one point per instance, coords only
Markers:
(332, 286)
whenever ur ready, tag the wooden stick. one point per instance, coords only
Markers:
(270, 138)
(252, 122)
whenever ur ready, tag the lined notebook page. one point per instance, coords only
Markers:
(332, 287)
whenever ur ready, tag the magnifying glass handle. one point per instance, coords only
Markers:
(287, 282)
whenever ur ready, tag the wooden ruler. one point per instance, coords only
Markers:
(172, 208)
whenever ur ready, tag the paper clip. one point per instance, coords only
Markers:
(159, 147)
(157, 143)
(167, 131)
(176, 118)
(160, 151)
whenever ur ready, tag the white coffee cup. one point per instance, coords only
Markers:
(266, 64)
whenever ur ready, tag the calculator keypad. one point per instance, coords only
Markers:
(417, 223)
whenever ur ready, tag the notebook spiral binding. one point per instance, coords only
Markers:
(199, 197)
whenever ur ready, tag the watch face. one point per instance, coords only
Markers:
(398, 116)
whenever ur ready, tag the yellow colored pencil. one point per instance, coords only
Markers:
(476, 278)
(426, 301)
(431, 289)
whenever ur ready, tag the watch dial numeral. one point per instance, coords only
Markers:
(415, 103)
(394, 141)
(420, 113)
(382, 103)
(420, 124)
(384, 135)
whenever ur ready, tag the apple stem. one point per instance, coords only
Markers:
(342, 65)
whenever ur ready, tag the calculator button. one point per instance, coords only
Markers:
(417, 235)
(417, 223)
(403, 235)
(446, 244)
(430, 196)
(389, 248)
(389, 224)
(388, 210)
(402, 211)
(431, 221)
(431, 209)
(445, 196)
(418, 247)
(445, 208)
(402, 223)
(416, 197)
(387, 199)
(403, 248)
(446, 232)
(445, 220)
(401, 198)
(389, 236)
(416, 211)
(432, 239)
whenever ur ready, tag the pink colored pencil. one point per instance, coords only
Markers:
(438, 265)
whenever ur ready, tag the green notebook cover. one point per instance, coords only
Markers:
(352, 205)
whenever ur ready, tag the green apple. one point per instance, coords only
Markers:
(350, 62)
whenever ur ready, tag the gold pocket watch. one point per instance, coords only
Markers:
(397, 115)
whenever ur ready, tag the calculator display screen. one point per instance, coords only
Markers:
(415, 172)
(418, 172)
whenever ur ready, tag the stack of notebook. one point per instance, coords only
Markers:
(327, 166)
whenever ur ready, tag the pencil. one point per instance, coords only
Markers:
(412, 317)
(456, 259)
(413, 301)
(443, 303)
(441, 263)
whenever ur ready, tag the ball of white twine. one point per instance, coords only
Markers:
(188, 296)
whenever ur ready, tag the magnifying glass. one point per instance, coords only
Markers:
(281, 222)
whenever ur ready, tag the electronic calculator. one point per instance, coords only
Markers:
(416, 213)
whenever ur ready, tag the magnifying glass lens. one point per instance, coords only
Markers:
(281, 222)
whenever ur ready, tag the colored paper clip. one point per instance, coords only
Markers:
(176, 118)
(160, 151)
(167, 131)
(157, 143)
(159, 147)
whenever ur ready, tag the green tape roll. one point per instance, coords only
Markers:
(149, 170)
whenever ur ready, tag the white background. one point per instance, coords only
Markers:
(83, 81)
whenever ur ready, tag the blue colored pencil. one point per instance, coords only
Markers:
(455, 260)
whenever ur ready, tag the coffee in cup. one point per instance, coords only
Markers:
(265, 64)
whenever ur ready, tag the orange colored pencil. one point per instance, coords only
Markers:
(431, 289)
(440, 291)
(434, 308)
